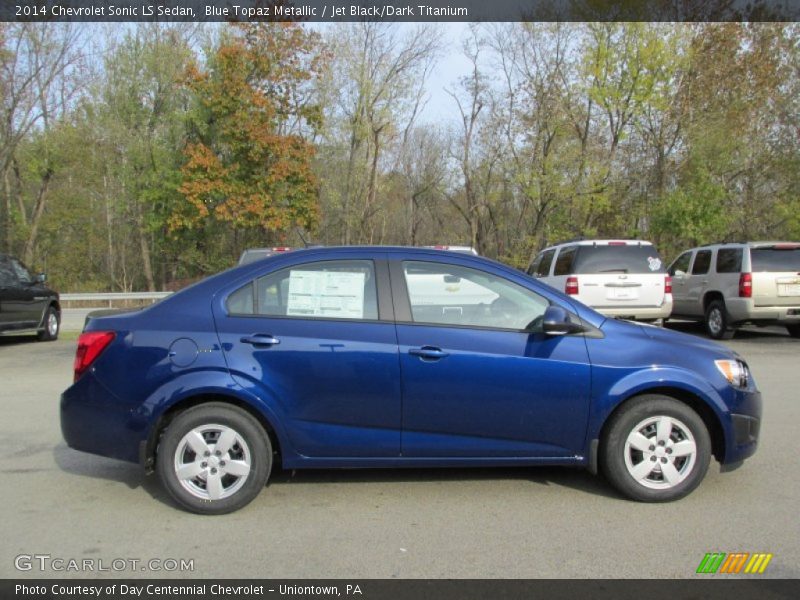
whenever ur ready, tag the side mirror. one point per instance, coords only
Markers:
(557, 321)
(40, 278)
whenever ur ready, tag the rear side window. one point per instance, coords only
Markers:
(729, 260)
(776, 259)
(541, 266)
(702, 261)
(564, 261)
(618, 259)
(328, 289)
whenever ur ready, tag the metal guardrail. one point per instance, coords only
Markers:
(111, 297)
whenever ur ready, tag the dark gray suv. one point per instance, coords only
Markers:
(26, 304)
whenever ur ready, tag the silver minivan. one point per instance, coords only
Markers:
(619, 278)
(727, 285)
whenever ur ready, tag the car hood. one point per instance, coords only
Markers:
(670, 337)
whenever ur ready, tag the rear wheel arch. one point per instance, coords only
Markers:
(150, 448)
(710, 296)
(693, 401)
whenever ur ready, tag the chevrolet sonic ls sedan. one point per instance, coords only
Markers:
(399, 357)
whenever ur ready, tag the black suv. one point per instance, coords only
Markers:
(26, 304)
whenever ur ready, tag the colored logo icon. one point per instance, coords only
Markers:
(734, 563)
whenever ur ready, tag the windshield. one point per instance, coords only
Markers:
(618, 259)
(776, 259)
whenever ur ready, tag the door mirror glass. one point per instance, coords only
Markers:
(40, 278)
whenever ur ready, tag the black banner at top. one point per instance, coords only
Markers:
(398, 10)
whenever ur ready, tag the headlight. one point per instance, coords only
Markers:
(735, 371)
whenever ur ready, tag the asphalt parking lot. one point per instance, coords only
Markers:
(509, 523)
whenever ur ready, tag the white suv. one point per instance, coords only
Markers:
(726, 285)
(619, 278)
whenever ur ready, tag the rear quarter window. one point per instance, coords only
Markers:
(541, 266)
(618, 259)
(729, 260)
(566, 257)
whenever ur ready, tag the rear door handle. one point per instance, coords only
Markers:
(260, 339)
(428, 353)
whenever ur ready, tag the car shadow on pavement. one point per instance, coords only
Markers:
(574, 478)
(97, 467)
(749, 333)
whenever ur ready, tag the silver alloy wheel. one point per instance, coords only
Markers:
(660, 452)
(52, 324)
(212, 462)
(715, 321)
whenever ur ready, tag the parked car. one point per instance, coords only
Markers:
(727, 285)
(253, 254)
(618, 278)
(27, 305)
(349, 358)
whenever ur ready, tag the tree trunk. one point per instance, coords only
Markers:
(36, 218)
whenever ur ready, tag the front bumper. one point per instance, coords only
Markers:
(743, 427)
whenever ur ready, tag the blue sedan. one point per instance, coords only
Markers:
(399, 357)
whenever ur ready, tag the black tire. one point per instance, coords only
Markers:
(256, 447)
(654, 486)
(717, 322)
(794, 330)
(51, 326)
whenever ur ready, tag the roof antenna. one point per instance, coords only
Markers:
(300, 233)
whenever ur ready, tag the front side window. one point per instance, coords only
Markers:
(443, 294)
(22, 273)
(7, 276)
(340, 289)
(701, 262)
(681, 266)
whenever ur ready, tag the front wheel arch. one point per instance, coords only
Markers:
(150, 447)
(697, 404)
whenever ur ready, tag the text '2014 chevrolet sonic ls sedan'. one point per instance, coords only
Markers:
(399, 357)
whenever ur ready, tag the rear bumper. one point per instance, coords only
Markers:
(94, 420)
(745, 309)
(637, 312)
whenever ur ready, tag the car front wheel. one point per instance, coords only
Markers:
(656, 449)
(794, 330)
(214, 458)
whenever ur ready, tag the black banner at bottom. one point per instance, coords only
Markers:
(400, 589)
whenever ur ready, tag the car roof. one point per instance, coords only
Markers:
(603, 242)
(752, 244)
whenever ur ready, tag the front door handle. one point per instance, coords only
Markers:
(428, 353)
(260, 339)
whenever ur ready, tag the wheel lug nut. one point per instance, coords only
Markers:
(653, 458)
(204, 464)
(652, 447)
(664, 460)
(218, 453)
(662, 443)
(206, 453)
(222, 463)
(213, 471)
(669, 450)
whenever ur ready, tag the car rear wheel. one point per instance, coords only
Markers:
(794, 330)
(214, 458)
(656, 449)
(717, 323)
(51, 326)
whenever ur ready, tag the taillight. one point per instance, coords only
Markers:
(572, 286)
(667, 284)
(746, 285)
(90, 345)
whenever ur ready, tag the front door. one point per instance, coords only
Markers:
(479, 377)
(312, 341)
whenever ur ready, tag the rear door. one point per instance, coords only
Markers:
(316, 341)
(476, 383)
(620, 275)
(776, 275)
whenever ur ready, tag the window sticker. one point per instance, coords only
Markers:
(654, 262)
(326, 294)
